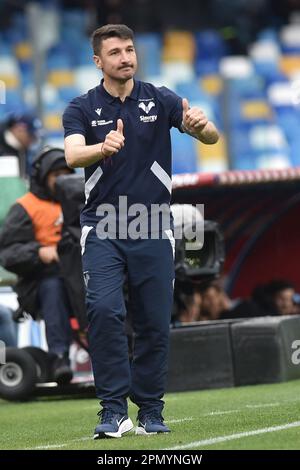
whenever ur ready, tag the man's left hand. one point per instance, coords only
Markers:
(193, 119)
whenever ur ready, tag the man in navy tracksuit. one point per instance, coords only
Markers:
(120, 133)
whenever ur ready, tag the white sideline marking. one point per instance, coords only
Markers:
(231, 437)
(263, 405)
(172, 421)
(225, 412)
(52, 446)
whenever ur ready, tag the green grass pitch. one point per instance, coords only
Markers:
(256, 417)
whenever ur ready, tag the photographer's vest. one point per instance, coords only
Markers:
(46, 217)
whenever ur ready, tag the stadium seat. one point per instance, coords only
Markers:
(184, 153)
(178, 71)
(290, 64)
(191, 90)
(66, 94)
(23, 51)
(209, 44)
(290, 39)
(61, 78)
(255, 110)
(280, 94)
(236, 67)
(265, 55)
(267, 137)
(179, 46)
(270, 146)
(9, 72)
(210, 48)
(5, 49)
(212, 158)
(148, 47)
(53, 122)
(14, 101)
(241, 154)
(274, 160)
(212, 84)
(86, 77)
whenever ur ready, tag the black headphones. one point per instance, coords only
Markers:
(36, 164)
(44, 151)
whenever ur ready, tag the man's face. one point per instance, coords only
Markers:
(117, 59)
(20, 131)
(212, 302)
(51, 178)
(284, 301)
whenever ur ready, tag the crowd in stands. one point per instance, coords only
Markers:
(210, 302)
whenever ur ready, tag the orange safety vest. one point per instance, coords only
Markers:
(46, 217)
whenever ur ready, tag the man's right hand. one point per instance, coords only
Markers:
(114, 140)
(48, 254)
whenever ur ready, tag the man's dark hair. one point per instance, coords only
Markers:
(110, 31)
(278, 285)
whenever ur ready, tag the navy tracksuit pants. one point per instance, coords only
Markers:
(149, 267)
(55, 306)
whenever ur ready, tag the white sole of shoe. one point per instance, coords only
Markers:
(139, 430)
(126, 426)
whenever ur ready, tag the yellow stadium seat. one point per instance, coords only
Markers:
(178, 46)
(289, 64)
(256, 109)
(61, 78)
(10, 81)
(52, 122)
(23, 51)
(212, 157)
(212, 84)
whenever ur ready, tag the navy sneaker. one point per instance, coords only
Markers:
(112, 424)
(151, 423)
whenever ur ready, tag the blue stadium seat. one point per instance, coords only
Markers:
(184, 153)
(149, 48)
(206, 66)
(209, 44)
(191, 90)
(5, 49)
(59, 57)
(74, 19)
(66, 94)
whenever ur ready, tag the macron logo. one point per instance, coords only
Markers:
(146, 107)
(98, 111)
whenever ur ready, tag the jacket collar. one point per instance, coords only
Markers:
(133, 95)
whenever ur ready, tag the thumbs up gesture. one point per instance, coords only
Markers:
(120, 126)
(114, 140)
(193, 119)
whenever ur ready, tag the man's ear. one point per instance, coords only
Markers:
(98, 62)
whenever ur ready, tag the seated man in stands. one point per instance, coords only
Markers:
(215, 302)
(189, 308)
(282, 295)
(17, 134)
(277, 297)
(28, 247)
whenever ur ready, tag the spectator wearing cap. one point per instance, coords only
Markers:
(28, 247)
(17, 134)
